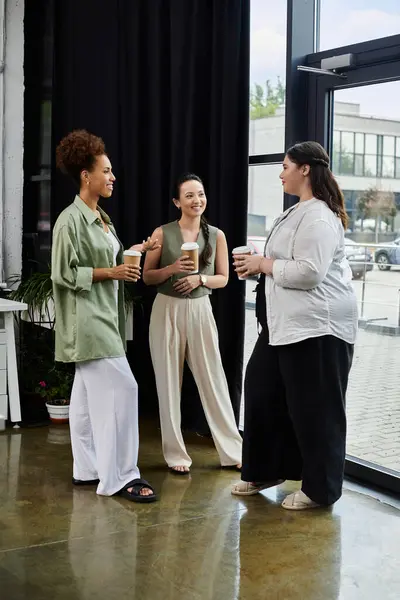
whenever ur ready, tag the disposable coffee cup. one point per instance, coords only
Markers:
(191, 249)
(241, 250)
(132, 257)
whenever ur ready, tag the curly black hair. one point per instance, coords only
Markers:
(78, 152)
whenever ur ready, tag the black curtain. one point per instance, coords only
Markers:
(38, 48)
(166, 84)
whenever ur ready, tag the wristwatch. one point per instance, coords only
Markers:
(203, 280)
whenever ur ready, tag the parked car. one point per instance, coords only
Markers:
(358, 255)
(389, 255)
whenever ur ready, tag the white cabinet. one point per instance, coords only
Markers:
(9, 389)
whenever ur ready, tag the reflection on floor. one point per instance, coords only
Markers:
(197, 543)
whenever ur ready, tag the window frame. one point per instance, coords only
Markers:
(301, 39)
(309, 115)
(376, 61)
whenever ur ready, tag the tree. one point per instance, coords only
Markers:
(265, 100)
(377, 204)
(343, 161)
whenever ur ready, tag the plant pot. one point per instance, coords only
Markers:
(58, 413)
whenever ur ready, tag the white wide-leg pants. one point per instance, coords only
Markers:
(104, 423)
(185, 328)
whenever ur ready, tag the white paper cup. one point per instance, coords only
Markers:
(191, 249)
(241, 250)
(132, 257)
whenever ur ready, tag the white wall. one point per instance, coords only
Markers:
(13, 134)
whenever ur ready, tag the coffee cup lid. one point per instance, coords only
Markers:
(132, 253)
(241, 250)
(190, 246)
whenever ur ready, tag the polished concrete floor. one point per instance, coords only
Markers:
(198, 543)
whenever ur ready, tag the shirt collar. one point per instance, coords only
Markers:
(89, 215)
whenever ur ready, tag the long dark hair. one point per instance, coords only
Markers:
(323, 184)
(206, 254)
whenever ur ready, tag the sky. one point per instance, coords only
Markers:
(342, 22)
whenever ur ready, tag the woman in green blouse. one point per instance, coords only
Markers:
(87, 274)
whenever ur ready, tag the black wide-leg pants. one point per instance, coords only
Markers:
(295, 419)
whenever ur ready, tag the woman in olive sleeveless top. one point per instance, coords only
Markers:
(182, 326)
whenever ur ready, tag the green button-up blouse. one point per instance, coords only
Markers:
(89, 324)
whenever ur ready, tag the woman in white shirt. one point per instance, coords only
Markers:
(296, 379)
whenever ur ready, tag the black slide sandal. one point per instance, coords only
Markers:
(134, 495)
(85, 481)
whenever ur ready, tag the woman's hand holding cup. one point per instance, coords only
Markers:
(126, 272)
(252, 264)
(182, 265)
(239, 255)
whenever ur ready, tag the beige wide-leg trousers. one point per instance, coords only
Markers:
(182, 328)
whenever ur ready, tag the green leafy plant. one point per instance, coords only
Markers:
(57, 388)
(265, 100)
(37, 292)
(377, 204)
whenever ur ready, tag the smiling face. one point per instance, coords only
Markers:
(100, 180)
(294, 177)
(192, 199)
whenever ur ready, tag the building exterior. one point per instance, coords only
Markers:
(366, 155)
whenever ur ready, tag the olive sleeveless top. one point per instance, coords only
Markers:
(171, 250)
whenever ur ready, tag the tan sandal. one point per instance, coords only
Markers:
(299, 501)
(177, 471)
(247, 488)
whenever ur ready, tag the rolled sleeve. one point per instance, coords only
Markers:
(84, 279)
(313, 252)
(278, 272)
(65, 269)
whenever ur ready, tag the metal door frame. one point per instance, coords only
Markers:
(376, 61)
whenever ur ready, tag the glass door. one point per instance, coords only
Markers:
(357, 119)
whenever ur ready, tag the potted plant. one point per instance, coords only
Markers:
(36, 348)
(37, 292)
(57, 391)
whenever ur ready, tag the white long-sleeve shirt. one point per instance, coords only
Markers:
(309, 293)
